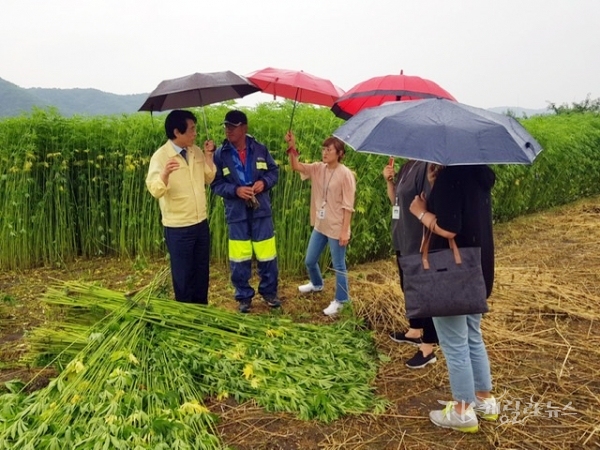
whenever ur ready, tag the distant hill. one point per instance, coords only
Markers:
(15, 100)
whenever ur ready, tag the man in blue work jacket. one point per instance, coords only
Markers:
(246, 172)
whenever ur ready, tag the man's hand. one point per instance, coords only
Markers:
(209, 146)
(258, 187)
(245, 192)
(171, 166)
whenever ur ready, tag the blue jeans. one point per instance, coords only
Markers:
(316, 245)
(466, 356)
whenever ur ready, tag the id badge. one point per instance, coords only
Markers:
(396, 212)
(321, 214)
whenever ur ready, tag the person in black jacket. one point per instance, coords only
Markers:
(460, 207)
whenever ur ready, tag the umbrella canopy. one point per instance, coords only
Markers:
(197, 89)
(379, 90)
(440, 131)
(296, 85)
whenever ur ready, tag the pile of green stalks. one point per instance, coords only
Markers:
(135, 372)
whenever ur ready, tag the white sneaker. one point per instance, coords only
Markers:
(309, 287)
(487, 408)
(333, 308)
(449, 418)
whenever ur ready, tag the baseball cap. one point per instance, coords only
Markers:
(236, 118)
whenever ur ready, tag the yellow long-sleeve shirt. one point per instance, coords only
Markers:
(182, 201)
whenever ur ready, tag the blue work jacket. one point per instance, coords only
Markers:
(231, 174)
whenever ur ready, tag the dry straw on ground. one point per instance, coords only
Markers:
(542, 337)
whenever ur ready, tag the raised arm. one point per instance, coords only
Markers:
(293, 152)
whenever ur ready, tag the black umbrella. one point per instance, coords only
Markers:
(439, 131)
(198, 89)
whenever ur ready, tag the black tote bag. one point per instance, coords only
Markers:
(446, 282)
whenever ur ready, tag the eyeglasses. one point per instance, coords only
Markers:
(328, 149)
(230, 126)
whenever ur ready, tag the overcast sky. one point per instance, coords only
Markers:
(486, 53)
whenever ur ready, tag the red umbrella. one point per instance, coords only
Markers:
(378, 90)
(296, 85)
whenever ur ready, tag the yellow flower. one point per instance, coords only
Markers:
(137, 418)
(222, 395)
(254, 383)
(248, 371)
(274, 333)
(27, 166)
(133, 359)
(193, 407)
(237, 355)
(110, 419)
(118, 372)
(75, 398)
(75, 366)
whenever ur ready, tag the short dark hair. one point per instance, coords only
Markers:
(177, 120)
(340, 149)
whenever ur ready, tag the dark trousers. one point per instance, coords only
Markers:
(189, 250)
(424, 323)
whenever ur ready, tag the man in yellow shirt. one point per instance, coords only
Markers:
(178, 173)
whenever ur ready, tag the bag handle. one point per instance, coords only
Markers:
(425, 250)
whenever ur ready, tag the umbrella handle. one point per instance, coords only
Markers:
(205, 123)
(292, 118)
(391, 164)
(294, 108)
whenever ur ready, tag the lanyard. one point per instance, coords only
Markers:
(402, 178)
(327, 186)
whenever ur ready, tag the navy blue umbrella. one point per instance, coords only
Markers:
(439, 131)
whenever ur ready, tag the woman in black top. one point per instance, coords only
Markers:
(460, 207)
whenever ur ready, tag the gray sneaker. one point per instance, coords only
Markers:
(487, 408)
(449, 418)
